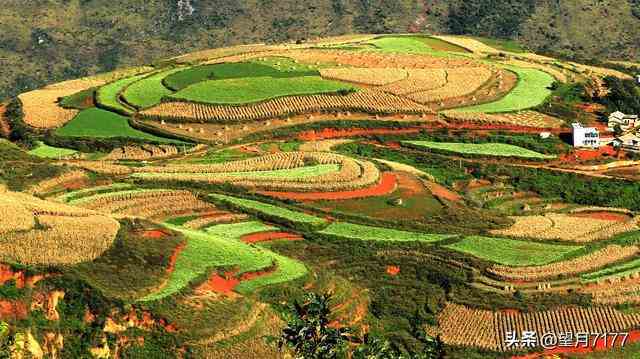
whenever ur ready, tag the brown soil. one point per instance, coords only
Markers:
(10, 310)
(327, 133)
(443, 193)
(270, 236)
(154, 234)
(608, 216)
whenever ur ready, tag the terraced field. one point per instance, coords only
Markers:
(482, 149)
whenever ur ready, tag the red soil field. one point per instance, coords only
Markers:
(410, 185)
(393, 270)
(219, 284)
(174, 257)
(153, 234)
(270, 236)
(588, 155)
(609, 216)
(22, 280)
(634, 336)
(443, 193)
(496, 127)
(387, 184)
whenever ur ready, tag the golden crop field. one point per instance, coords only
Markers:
(366, 100)
(103, 167)
(65, 235)
(522, 118)
(616, 291)
(55, 182)
(217, 217)
(142, 152)
(564, 227)
(470, 44)
(418, 80)
(366, 76)
(600, 258)
(485, 329)
(460, 82)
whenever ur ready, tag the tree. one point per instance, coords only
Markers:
(308, 332)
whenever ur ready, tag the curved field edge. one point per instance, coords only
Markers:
(531, 90)
(358, 231)
(205, 251)
(484, 149)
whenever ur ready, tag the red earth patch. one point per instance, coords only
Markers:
(219, 284)
(442, 192)
(608, 216)
(327, 133)
(270, 236)
(174, 257)
(393, 270)
(388, 184)
(154, 234)
(12, 310)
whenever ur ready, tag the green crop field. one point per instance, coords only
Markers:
(149, 90)
(415, 45)
(620, 270)
(95, 122)
(185, 78)
(270, 210)
(75, 195)
(512, 252)
(237, 230)
(255, 89)
(483, 149)
(357, 231)
(287, 270)
(532, 90)
(108, 95)
(205, 251)
(44, 151)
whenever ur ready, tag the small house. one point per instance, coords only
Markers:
(585, 136)
(629, 141)
(625, 122)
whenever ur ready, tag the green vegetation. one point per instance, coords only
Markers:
(512, 252)
(502, 44)
(221, 156)
(287, 270)
(149, 90)
(95, 122)
(248, 90)
(623, 95)
(44, 151)
(482, 149)
(532, 89)
(205, 251)
(133, 267)
(235, 231)
(402, 44)
(81, 100)
(19, 170)
(620, 270)
(269, 210)
(299, 172)
(75, 195)
(185, 78)
(108, 96)
(357, 231)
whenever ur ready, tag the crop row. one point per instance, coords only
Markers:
(419, 80)
(463, 326)
(522, 118)
(366, 76)
(480, 149)
(357, 231)
(366, 100)
(460, 82)
(53, 183)
(141, 152)
(566, 227)
(600, 258)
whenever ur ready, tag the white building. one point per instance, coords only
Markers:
(628, 141)
(585, 136)
(625, 122)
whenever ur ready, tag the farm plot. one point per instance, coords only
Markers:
(464, 326)
(460, 82)
(521, 118)
(95, 122)
(39, 232)
(418, 80)
(185, 78)
(481, 149)
(468, 43)
(57, 182)
(532, 90)
(108, 96)
(143, 152)
(357, 231)
(148, 91)
(44, 151)
(271, 211)
(41, 109)
(75, 195)
(365, 76)
(256, 89)
(620, 271)
(150, 204)
(615, 289)
(513, 252)
(280, 171)
(365, 100)
(566, 227)
(235, 231)
(600, 258)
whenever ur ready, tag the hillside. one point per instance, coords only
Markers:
(195, 208)
(47, 41)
